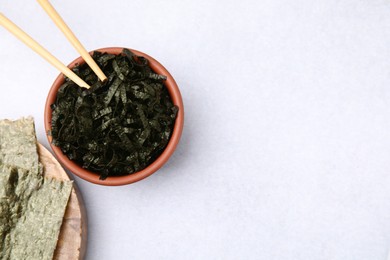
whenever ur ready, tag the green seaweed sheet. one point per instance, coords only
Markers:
(31, 206)
(32, 210)
(18, 144)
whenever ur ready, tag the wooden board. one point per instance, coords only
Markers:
(72, 240)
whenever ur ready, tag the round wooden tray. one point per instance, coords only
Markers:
(71, 244)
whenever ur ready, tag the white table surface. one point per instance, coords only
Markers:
(285, 152)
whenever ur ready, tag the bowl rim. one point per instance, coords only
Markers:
(87, 175)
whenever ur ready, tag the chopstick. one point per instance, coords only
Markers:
(57, 19)
(35, 46)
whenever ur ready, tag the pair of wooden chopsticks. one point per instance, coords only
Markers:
(26, 39)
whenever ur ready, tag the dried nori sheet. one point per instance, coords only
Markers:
(118, 127)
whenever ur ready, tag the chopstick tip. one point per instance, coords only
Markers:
(104, 80)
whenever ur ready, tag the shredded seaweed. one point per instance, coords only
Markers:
(118, 127)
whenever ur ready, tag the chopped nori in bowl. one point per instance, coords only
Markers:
(118, 127)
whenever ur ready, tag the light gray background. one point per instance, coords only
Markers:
(285, 152)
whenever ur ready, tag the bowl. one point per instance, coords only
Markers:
(93, 177)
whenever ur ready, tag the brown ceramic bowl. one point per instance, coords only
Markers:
(126, 179)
